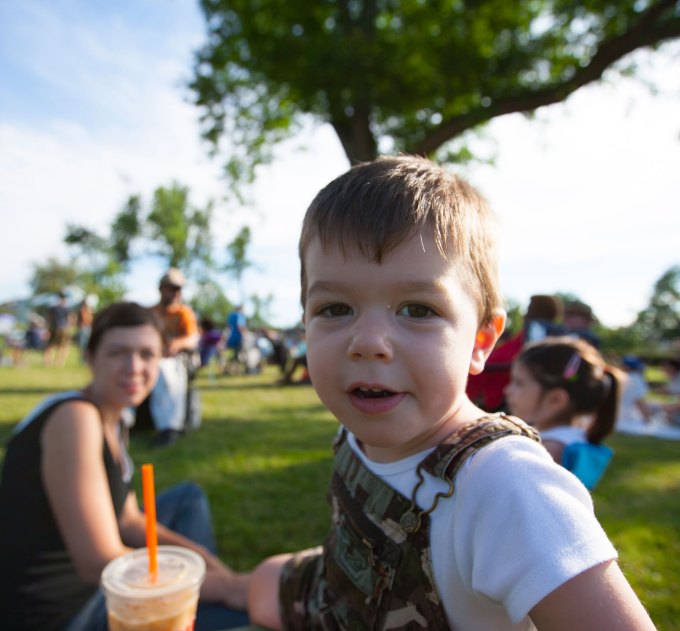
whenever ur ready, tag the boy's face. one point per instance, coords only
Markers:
(389, 346)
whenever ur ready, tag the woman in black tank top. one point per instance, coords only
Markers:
(66, 508)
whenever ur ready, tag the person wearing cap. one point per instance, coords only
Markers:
(579, 320)
(172, 407)
(181, 328)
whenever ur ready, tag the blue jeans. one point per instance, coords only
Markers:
(185, 509)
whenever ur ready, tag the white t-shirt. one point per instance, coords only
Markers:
(565, 434)
(634, 390)
(516, 527)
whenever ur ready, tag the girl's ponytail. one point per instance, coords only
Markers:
(605, 417)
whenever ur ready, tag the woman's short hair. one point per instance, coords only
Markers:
(121, 314)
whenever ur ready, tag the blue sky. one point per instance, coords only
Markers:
(93, 108)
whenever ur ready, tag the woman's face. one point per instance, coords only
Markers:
(125, 365)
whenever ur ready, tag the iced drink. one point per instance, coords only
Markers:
(137, 602)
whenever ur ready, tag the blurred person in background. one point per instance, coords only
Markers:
(541, 320)
(299, 354)
(236, 327)
(173, 407)
(634, 411)
(580, 320)
(84, 324)
(60, 320)
(67, 507)
(211, 337)
(672, 369)
(281, 354)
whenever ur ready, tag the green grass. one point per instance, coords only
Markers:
(263, 456)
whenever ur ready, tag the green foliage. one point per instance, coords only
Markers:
(659, 322)
(182, 233)
(125, 227)
(100, 262)
(515, 320)
(262, 313)
(237, 259)
(209, 301)
(621, 340)
(52, 276)
(409, 75)
(661, 319)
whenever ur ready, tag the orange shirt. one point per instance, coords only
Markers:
(179, 319)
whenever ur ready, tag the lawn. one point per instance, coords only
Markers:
(263, 456)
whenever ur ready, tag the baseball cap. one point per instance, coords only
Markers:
(633, 362)
(174, 277)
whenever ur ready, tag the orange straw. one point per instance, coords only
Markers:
(150, 510)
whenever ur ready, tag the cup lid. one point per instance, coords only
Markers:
(178, 569)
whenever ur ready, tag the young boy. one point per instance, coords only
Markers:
(442, 517)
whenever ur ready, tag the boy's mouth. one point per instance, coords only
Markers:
(372, 393)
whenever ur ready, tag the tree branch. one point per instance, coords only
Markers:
(345, 15)
(368, 16)
(644, 33)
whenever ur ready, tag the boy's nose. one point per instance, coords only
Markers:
(370, 341)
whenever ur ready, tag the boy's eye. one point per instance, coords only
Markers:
(416, 310)
(336, 311)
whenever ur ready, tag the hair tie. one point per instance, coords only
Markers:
(570, 372)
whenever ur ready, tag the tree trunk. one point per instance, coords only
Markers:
(356, 136)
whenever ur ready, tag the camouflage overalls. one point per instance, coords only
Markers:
(374, 570)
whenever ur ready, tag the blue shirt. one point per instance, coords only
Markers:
(235, 320)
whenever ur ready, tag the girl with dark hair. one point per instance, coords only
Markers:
(553, 384)
(66, 504)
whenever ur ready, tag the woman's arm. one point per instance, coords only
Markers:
(221, 583)
(599, 599)
(74, 478)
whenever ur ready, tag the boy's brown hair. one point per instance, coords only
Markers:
(376, 206)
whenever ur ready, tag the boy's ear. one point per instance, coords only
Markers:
(486, 339)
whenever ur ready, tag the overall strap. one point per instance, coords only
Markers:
(376, 497)
(447, 459)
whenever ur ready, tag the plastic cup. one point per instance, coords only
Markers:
(137, 601)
